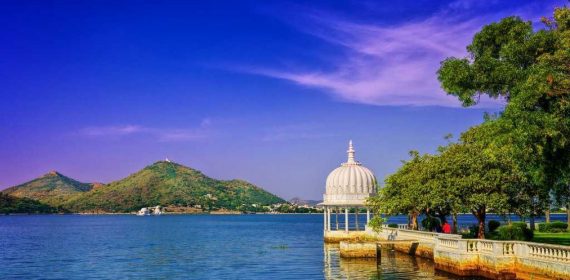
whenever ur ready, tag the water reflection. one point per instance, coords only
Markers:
(391, 265)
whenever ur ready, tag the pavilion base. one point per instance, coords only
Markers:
(336, 236)
(358, 249)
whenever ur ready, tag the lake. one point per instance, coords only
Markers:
(186, 247)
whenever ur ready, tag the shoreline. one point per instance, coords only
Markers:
(164, 214)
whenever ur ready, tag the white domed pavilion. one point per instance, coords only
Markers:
(348, 187)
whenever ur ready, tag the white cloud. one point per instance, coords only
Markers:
(112, 130)
(161, 134)
(294, 132)
(390, 64)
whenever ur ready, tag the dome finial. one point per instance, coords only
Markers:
(350, 153)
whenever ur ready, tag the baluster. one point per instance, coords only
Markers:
(548, 253)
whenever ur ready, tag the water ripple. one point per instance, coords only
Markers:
(186, 247)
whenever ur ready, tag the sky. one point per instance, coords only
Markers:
(266, 91)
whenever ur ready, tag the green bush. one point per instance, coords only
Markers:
(430, 223)
(393, 225)
(553, 227)
(493, 225)
(473, 230)
(376, 222)
(515, 231)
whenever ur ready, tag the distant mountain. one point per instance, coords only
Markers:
(170, 184)
(299, 201)
(53, 189)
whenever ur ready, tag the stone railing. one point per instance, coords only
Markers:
(494, 258)
(402, 233)
(477, 246)
(515, 256)
(486, 246)
(448, 243)
(482, 246)
(545, 252)
(424, 236)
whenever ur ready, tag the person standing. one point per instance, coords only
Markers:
(446, 227)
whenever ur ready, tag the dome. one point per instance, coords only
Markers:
(349, 184)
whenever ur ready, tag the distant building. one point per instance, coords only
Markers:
(348, 186)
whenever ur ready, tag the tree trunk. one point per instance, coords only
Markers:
(481, 233)
(568, 215)
(531, 221)
(442, 217)
(480, 215)
(547, 215)
(454, 217)
(414, 221)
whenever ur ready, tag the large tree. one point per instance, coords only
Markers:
(465, 176)
(485, 175)
(404, 191)
(531, 71)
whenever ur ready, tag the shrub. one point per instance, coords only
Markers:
(393, 225)
(515, 231)
(430, 223)
(473, 230)
(493, 225)
(553, 227)
(376, 222)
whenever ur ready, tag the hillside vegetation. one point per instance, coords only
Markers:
(162, 183)
(53, 189)
(11, 204)
(170, 184)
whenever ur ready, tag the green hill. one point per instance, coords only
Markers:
(53, 189)
(170, 184)
(10, 204)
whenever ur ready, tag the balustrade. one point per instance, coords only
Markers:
(548, 252)
(454, 245)
(450, 243)
(486, 246)
(517, 249)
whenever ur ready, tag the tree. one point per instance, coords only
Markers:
(464, 176)
(484, 175)
(562, 195)
(531, 71)
(514, 160)
(403, 191)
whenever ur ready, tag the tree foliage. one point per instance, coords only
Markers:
(10, 205)
(171, 184)
(463, 176)
(531, 71)
(515, 160)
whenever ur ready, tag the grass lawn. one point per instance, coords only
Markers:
(552, 238)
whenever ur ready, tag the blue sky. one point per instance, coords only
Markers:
(266, 91)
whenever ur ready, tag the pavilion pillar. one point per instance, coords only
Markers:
(367, 215)
(329, 219)
(324, 218)
(356, 217)
(346, 219)
(336, 217)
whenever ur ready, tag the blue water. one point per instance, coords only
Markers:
(185, 247)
